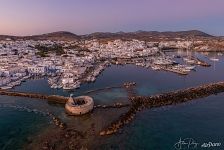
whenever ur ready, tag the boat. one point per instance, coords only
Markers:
(214, 59)
(220, 54)
(6, 87)
(67, 87)
(189, 60)
(155, 67)
(72, 86)
(177, 70)
(59, 86)
(190, 67)
(54, 86)
(163, 61)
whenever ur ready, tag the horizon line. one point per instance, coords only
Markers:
(111, 32)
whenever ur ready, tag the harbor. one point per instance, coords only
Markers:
(111, 75)
(110, 92)
(141, 76)
(59, 78)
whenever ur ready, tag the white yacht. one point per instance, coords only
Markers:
(214, 59)
(189, 60)
(190, 67)
(6, 87)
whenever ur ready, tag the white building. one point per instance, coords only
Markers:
(67, 81)
(4, 81)
(37, 69)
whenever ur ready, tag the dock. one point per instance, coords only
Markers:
(202, 63)
(180, 72)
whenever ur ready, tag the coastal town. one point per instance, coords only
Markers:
(68, 64)
(111, 75)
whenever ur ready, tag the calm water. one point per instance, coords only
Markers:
(152, 129)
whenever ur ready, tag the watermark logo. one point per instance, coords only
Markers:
(191, 144)
(210, 144)
(186, 144)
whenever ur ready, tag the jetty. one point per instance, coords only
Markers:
(170, 69)
(101, 89)
(115, 105)
(196, 61)
(51, 98)
(201, 62)
(170, 98)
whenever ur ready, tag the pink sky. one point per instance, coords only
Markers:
(26, 17)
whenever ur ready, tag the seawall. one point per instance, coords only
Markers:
(52, 98)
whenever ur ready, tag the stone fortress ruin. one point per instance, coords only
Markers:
(79, 105)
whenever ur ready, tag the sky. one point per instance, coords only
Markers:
(30, 17)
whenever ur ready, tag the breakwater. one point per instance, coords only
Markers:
(126, 85)
(201, 62)
(101, 89)
(170, 69)
(164, 99)
(116, 105)
(52, 98)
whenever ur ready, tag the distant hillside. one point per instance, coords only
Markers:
(3, 37)
(147, 34)
(142, 35)
(61, 35)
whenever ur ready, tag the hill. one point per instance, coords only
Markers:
(141, 35)
(61, 35)
(144, 35)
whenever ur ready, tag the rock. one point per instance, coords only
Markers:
(109, 132)
(62, 125)
(102, 133)
(57, 123)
